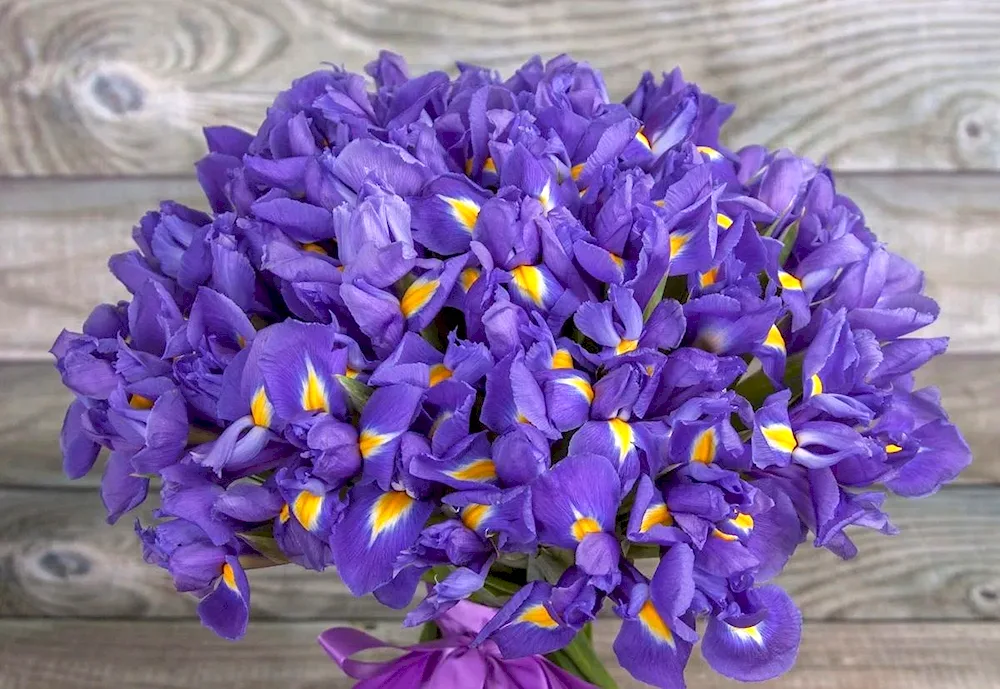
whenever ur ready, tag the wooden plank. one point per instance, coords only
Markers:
(34, 402)
(970, 392)
(114, 87)
(946, 226)
(58, 558)
(56, 236)
(55, 240)
(98, 654)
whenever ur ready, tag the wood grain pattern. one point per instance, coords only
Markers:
(56, 236)
(57, 558)
(114, 87)
(95, 655)
(946, 225)
(55, 240)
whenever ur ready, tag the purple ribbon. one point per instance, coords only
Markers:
(447, 663)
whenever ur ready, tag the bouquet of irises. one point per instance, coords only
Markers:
(516, 351)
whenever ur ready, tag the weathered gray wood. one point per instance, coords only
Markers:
(58, 558)
(56, 236)
(112, 87)
(55, 240)
(945, 225)
(39, 654)
(34, 401)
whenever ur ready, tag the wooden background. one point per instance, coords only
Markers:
(101, 105)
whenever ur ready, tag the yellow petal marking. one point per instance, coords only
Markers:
(436, 425)
(709, 152)
(351, 373)
(789, 281)
(723, 221)
(545, 198)
(478, 470)
(307, 508)
(285, 514)
(677, 243)
(626, 346)
(539, 616)
(465, 211)
(574, 172)
(261, 410)
(774, 339)
(655, 515)
(643, 139)
(531, 282)
(654, 624)
(582, 385)
(817, 385)
(583, 526)
(562, 359)
(748, 634)
(709, 277)
(315, 249)
(473, 515)
(622, 433)
(229, 577)
(468, 278)
(617, 260)
(417, 295)
(723, 536)
(489, 165)
(892, 448)
(140, 402)
(439, 372)
(387, 510)
(743, 522)
(780, 437)
(703, 448)
(314, 397)
(370, 441)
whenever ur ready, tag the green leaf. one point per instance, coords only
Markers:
(788, 242)
(579, 657)
(432, 335)
(656, 298)
(756, 388)
(498, 586)
(491, 600)
(429, 632)
(670, 287)
(549, 564)
(643, 552)
(357, 392)
(200, 436)
(770, 228)
(265, 545)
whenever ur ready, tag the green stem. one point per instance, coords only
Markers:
(579, 657)
(429, 632)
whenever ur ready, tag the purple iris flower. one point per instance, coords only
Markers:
(506, 338)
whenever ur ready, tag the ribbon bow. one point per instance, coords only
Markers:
(447, 663)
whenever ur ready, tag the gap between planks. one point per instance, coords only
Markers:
(98, 654)
(888, 84)
(56, 237)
